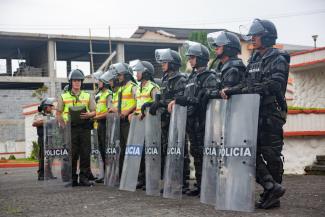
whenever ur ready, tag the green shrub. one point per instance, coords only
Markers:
(35, 150)
(12, 157)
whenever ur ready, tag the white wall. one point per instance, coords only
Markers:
(309, 88)
(300, 152)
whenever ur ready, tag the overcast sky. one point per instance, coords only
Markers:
(296, 20)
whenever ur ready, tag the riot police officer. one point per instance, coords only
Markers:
(267, 75)
(124, 99)
(103, 102)
(80, 132)
(44, 109)
(231, 69)
(200, 81)
(172, 85)
(146, 94)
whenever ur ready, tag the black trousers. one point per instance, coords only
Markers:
(81, 148)
(40, 142)
(269, 163)
(101, 131)
(124, 132)
(195, 128)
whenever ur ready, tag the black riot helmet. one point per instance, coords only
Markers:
(123, 69)
(145, 67)
(229, 41)
(266, 29)
(198, 50)
(45, 102)
(107, 76)
(169, 56)
(96, 75)
(76, 74)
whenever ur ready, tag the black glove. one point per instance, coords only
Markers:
(153, 108)
(145, 106)
(181, 100)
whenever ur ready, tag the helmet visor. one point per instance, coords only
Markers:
(163, 55)
(192, 48)
(256, 28)
(137, 66)
(96, 75)
(217, 39)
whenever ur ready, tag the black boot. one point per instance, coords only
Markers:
(72, 184)
(185, 188)
(83, 181)
(195, 192)
(141, 185)
(100, 180)
(271, 198)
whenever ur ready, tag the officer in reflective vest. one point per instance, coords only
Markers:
(80, 132)
(145, 96)
(127, 103)
(103, 102)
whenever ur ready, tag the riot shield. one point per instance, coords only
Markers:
(57, 154)
(214, 130)
(133, 154)
(112, 178)
(95, 157)
(237, 154)
(153, 153)
(173, 173)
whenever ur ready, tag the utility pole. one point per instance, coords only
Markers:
(315, 39)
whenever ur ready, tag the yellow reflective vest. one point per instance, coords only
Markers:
(144, 95)
(101, 104)
(127, 100)
(72, 100)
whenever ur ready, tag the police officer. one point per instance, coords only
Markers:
(231, 69)
(126, 92)
(199, 82)
(267, 75)
(172, 85)
(145, 95)
(80, 133)
(44, 110)
(103, 102)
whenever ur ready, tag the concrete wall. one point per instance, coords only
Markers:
(11, 119)
(309, 88)
(301, 151)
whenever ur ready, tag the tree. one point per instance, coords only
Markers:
(39, 93)
(200, 37)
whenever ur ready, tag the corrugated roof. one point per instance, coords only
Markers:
(179, 33)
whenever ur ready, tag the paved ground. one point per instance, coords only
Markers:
(22, 195)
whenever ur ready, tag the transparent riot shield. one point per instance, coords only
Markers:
(237, 155)
(133, 154)
(57, 154)
(173, 174)
(95, 157)
(112, 178)
(153, 153)
(214, 130)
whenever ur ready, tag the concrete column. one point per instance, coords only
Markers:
(68, 67)
(9, 66)
(120, 52)
(51, 57)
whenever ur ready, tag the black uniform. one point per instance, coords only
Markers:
(267, 75)
(172, 85)
(231, 73)
(40, 141)
(198, 83)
